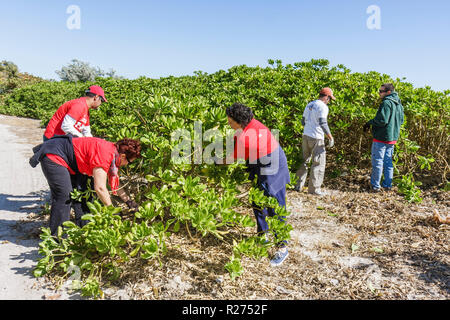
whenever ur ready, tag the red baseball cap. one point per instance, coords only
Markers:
(98, 91)
(327, 92)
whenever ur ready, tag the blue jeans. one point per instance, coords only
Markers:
(382, 164)
(262, 213)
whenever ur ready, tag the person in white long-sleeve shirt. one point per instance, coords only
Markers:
(73, 116)
(313, 143)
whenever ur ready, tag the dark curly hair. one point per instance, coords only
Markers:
(130, 147)
(240, 113)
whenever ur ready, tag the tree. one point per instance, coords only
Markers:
(9, 68)
(112, 74)
(82, 71)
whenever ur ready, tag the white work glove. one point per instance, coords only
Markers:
(331, 143)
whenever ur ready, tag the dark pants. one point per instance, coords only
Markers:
(261, 214)
(61, 185)
(80, 182)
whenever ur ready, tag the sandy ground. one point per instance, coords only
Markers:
(347, 245)
(23, 190)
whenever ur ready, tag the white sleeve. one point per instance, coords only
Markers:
(68, 126)
(323, 112)
(86, 131)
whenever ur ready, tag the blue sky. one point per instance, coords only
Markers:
(161, 38)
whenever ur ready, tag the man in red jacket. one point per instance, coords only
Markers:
(73, 116)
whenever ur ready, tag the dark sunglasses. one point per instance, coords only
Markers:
(381, 91)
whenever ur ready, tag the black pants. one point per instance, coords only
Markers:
(80, 182)
(61, 185)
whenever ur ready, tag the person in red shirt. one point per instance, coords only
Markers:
(265, 159)
(64, 157)
(73, 116)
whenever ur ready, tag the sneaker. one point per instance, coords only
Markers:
(319, 193)
(279, 257)
(375, 190)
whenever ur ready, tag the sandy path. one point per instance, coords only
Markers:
(22, 191)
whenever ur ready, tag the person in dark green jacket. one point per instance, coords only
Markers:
(386, 132)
